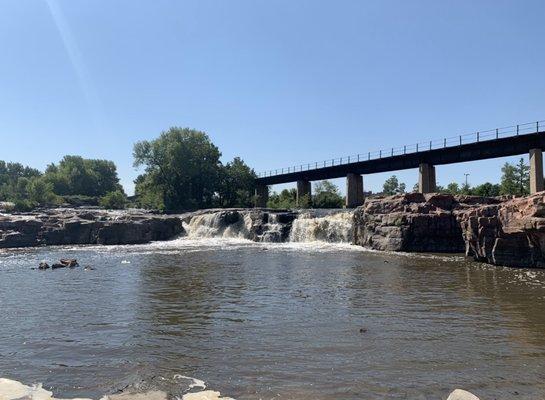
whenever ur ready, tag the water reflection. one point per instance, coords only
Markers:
(260, 321)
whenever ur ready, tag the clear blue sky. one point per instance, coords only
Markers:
(275, 82)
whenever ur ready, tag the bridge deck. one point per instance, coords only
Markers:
(477, 150)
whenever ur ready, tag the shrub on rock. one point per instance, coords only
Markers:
(114, 200)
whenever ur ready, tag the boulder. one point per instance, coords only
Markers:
(43, 265)
(460, 394)
(69, 262)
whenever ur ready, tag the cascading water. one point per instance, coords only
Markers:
(272, 226)
(332, 228)
(218, 224)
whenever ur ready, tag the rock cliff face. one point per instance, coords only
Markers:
(69, 226)
(414, 222)
(511, 233)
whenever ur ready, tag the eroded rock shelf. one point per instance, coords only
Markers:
(499, 231)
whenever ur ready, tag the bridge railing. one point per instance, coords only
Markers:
(453, 141)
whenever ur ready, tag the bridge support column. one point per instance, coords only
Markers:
(303, 193)
(354, 190)
(261, 195)
(536, 171)
(426, 178)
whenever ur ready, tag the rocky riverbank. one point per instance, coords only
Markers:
(499, 231)
(510, 233)
(414, 222)
(84, 226)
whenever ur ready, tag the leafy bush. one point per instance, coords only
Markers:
(286, 199)
(327, 196)
(23, 205)
(115, 200)
(40, 191)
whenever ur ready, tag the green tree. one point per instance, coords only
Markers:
(326, 195)
(148, 193)
(115, 200)
(40, 191)
(236, 186)
(286, 199)
(14, 178)
(453, 188)
(487, 189)
(515, 179)
(182, 165)
(304, 202)
(466, 189)
(76, 175)
(392, 186)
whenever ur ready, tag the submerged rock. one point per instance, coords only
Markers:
(69, 262)
(43, 265)
(150, 395)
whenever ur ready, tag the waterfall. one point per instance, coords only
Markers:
(271, 226)
(218, 224)
(332, 228)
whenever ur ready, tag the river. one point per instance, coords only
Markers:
(299, 320)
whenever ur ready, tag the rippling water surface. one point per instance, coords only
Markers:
(263, 321)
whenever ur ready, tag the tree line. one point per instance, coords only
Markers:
(515, 180)
(182, 171)
(73, 180)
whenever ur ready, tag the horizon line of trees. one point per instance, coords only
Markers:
(74, 180)
(515, 180)
(182, 171)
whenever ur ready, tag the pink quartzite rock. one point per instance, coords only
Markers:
(414, 222)
(511, 233)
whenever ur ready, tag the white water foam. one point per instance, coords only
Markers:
(306, 227)
(212, 226)
(334, 228)
(195, 382)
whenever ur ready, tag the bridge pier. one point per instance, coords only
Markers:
(536, 171)
(261, 195)
(354, 190)
(303, 189)
(426, 178)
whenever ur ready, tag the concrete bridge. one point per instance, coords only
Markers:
(501, 142)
